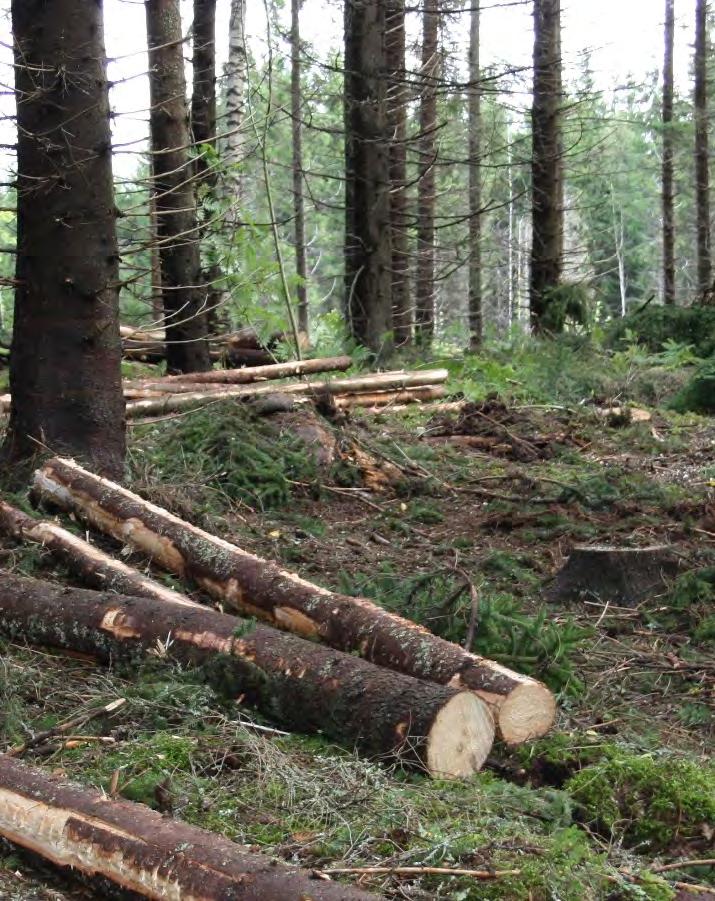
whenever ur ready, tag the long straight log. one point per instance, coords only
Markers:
(141, 850)
(90, 564)
(174, 403)
(387, 398)
(262, 373)
(305, 686)
(523, 707)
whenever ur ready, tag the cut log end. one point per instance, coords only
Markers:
(460, 739)
(528, 712)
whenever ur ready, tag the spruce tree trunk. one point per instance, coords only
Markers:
(142, 850)
(427, 185)
(66, 351)
(236, 81)
(368, 248)
(702, 149)
(296, 98)
(547, 161)
(397, 100)
(667, 169)
(302, 685)
(184, 304)
(475, 185)
(203, 128)
(522, 707)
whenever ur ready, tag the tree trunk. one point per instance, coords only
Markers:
(140, 849)
(547, 165)
(236, 80)
(667, 169)
(475, 185)
(702, 148)
(427, 186)
(184, 308)
(91, 565)
(296, 99)
(203, 128)
(368, 250)
(397, 100)
(522, 707)
(65, 363)
(302, 685)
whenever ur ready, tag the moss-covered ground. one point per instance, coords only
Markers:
(467, 541)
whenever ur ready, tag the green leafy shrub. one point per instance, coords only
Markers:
(698, 395)
(646, 800)
(654, 326)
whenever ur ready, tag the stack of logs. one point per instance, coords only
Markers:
(161, 396)
(317, 661)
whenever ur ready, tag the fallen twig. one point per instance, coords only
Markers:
(421, 871)
(67, 726)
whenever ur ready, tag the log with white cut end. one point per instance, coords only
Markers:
(383, 381)
(91, 564)
(304, 686)
(140, 850)
(523, 707)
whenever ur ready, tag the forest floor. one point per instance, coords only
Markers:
(466, 538)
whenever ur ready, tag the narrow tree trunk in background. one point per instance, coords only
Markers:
(427, 186)
(236, 81)
(368, 248)
(547, 160)
(157, 307)
(667, 186)
(296, 96)
(475, 186)
(65, 365)
(702, 171)
(397, 99)
(203, 127)
(184, 310)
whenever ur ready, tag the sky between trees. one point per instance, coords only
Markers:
(624, 38)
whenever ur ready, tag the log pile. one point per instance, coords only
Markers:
(522, 707)
(140, 850)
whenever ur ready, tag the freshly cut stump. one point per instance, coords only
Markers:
(523, 707)
(620, 576)
(141, 850)
(304, 686)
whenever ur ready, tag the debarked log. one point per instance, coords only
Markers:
(89, 563)
(262, 373)
(385, 398)
(304, 686)
(141, 850)
(523, 707)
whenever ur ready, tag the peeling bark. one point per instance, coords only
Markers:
(141, 850)
(523, 707)
(302, 685)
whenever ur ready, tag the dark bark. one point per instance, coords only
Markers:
(300, 684)
(140, 849)
(203, 128)
(368, 253)
(397, 100)
(667, 167)
(65, 363)
(547, 161)
(475, 185)
(702, 148)
(296, 99)
(182, 296)
(523, 707)
(427, 186)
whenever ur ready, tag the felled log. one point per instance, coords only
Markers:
(305, 686)
(245, 376)
(141, 850)
(385, 398)
(623, 576)
(322, 391)
(523, 707)
(89, 563)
